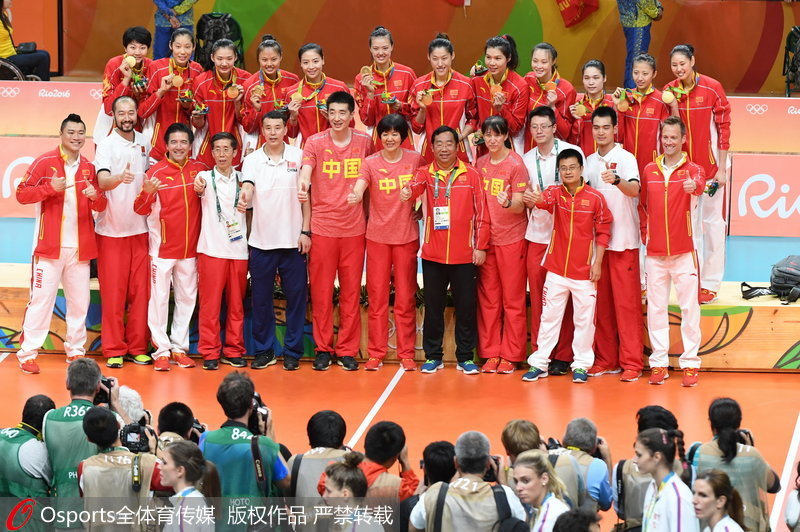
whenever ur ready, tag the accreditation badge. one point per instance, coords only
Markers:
(441, 218)
(234, 230)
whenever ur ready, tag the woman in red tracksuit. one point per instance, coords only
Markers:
(594, 80)
(548, 88)
(641, 121)
(263, 91)
(501, 91)
(220, 89)
(443, 97)
(305, 100)
(385, 88)
(701, 103)
(502, 312)
(169, 79)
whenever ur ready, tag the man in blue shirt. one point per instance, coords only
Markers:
(171, 15)
(581, 441)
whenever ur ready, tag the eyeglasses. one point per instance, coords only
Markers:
(573, 168)
(541, 128)
(222, 150)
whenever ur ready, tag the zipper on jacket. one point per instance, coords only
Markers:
(666, 212)
(569, 242)
(186, 207)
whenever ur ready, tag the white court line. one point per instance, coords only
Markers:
(3, 356)
(375, 408)
(788, 467)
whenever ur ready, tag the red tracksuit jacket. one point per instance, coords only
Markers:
(168, 109)
(35, 187)
(538, 96)
(453, 103)
(310, 118)
(178, 208)
(222, 114)
(469, 221)
(579, 223)
(398, 82)
(707, 115)
(517, 93)
(665, 209)
(581, 133)
(112, 82)
(641, 126)
(270, 99)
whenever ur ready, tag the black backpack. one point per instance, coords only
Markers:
(784, 281)
(215, 26)
(508, 523)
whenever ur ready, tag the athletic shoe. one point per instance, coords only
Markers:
(73, 358)
(262, 360)
(373, 364)
(558, 367)
(290, 363)
(490, 366)
(630, 375)
(579, 376)
(432, 366)
(322, 361)
(506, 367)
(161, 363)
(689, 377)
(236, 362)
(211, 364)
(348, 363)
(596, 371)
(707, 296)
(468, 367)
(114, 362)
(408, 364)
(658, 375)
(143, 360)
(182, 360)
(534, 374)
(30, 367)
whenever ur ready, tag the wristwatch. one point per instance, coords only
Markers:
(616, 179)
(307, 233)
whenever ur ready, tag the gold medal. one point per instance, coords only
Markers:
(130, 60)
(494, 89)
(366, 71)
(177, 81)
(258, 90)
(550, 86)
(296, 97)
(623, 105)
(667, 97)
(427, 98)
(232, 92)
(580, 110)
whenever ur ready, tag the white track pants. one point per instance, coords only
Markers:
(681, 270)
(46, 276)
(555, 294)
(181, 274)
(709, 239)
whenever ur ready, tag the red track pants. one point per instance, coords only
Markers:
(215, 278)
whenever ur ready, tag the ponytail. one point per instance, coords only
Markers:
(725, 416)
(721, 485)
(507, 45)
(347, 474)
(668, 443)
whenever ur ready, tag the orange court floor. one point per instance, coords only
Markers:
(443, 405)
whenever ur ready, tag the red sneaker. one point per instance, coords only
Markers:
(161, 363)
(182, 360)
(596, 371)
(373, 364)
(73, 358)
(707, 296)
(30, 367)
(658, 375)
(689, 377)
(506, 367)
(490, 366)
(408, 364)
(630, 375)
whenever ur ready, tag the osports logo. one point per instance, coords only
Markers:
(756, 108)
(25, 509)
(9, 92)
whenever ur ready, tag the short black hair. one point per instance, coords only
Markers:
(544, 111)
(34, 410)
(576, 520)
(138, 34)
(72, 117)
(224, 135)
(655, 417)
(342, 97)
(569, 153)
(100, 426)
(444, 129)
(393, 122)
(439, 464)
(178, 127)
(384, 441)
(235, 394)
(275, 114)
(175, 417)
(326, 429)
(122, 99)
(605, 112)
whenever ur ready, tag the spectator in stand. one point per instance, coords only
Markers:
(581, 441)
(718, 503)
(732, 451)
(171, 15)
(35, 62)
(187, 472)
(438, 465)
(539, 487)
(326, 431)
(636, 18)
(578, 520)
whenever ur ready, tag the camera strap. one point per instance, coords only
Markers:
(437, 518)
(136, 473)
(295, 475)
(261, 479)
(621, 490)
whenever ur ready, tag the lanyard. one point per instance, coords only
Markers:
(546, 511)
(449, 183)
(648, 514)
(539, 168)
(316, 91)
(182, 495)
(216, 196)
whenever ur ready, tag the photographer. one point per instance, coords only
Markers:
(732, 451)
(176, 422)
(326, 431)
(594, 460)
(438, 465)
(469, 500)
(231, 450)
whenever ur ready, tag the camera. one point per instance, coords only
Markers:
(491, 474)
(197, 430)
(102, 396)
(553, 444)
(259, 413)
(134, 438)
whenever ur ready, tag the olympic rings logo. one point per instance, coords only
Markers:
(9, 92)
(756, 108)
(96, 94)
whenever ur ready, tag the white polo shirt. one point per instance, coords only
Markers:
(625, 232)
(277, 213)
(113, 153)
(218, 204)
(540, 222)
(69, 213)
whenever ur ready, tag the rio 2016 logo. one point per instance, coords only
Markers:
(25, 508)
